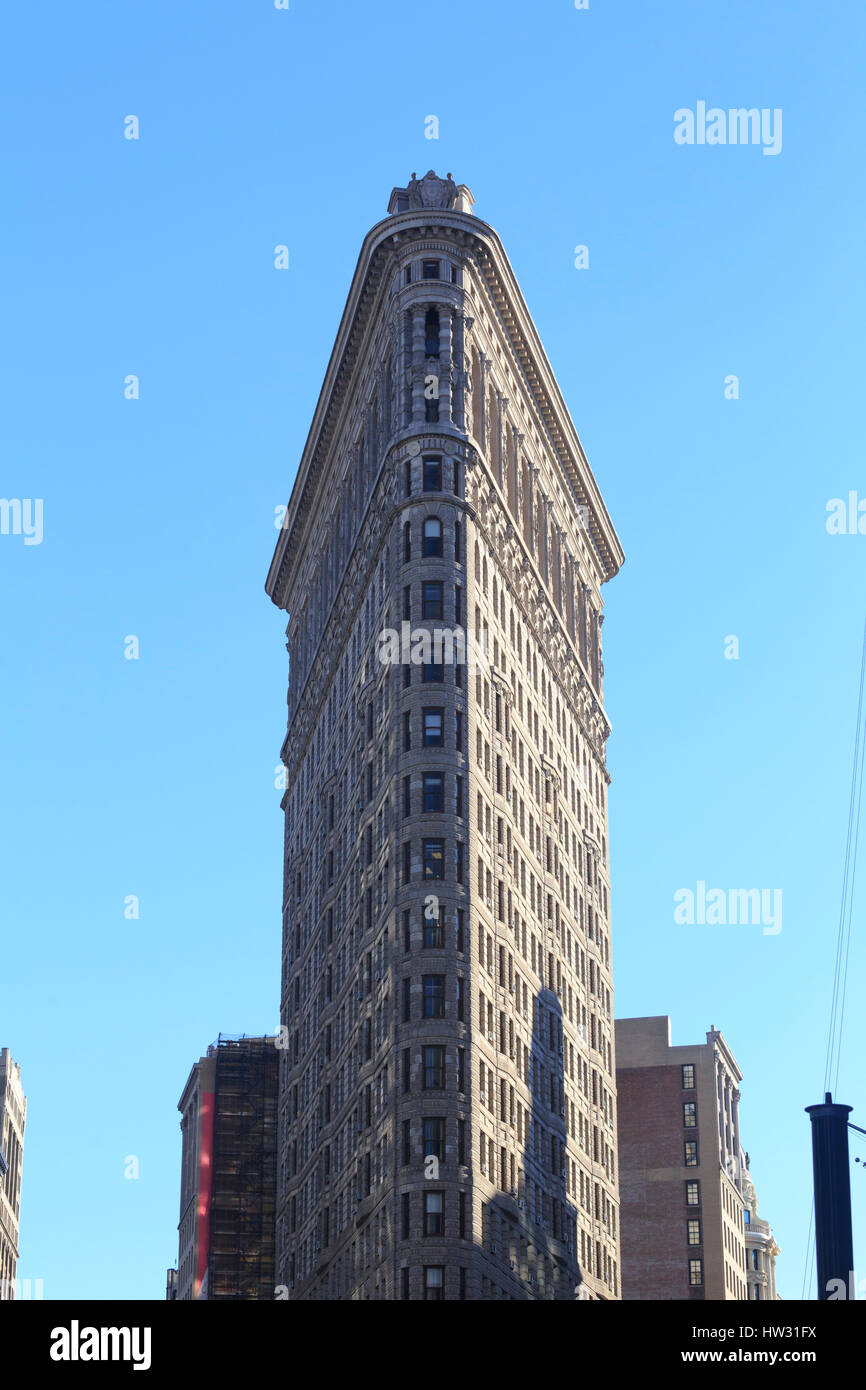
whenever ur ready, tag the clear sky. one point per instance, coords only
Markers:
(155, 777)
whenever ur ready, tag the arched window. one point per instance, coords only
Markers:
(432, 536)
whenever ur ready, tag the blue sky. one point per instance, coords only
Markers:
(155, 777)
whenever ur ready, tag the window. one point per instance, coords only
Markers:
(431, 601)
(430, 270)
(688, 1077)
(407, 478)
(432, 672)
(434, 927)
(407, 1142)
(461, 1068)
(407, 275)
(432, 537)
(434, 1282)
(434, 1137)
(693, 1194)
(461, 998)
(434, 996)
(696, 1272)
(407, 1069)
(407, 542)
(407, 860)
(690, 1115)
(434, 858)
(434, 796)
(432, 728)
(407, 731)
(434, 1068)
(432, 475)
(407, 1000)
(694, 1232)
(431, 333)
(405, 1222)
(691, 1153)
(434, 1213)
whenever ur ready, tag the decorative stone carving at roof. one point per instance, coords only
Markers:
(431, 192)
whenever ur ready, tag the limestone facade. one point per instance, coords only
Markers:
(447, 1096)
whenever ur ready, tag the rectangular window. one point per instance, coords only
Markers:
(461, 998)
(432, 475)
(432, 672)
(690, 1115)
(407, 1000)
(434, 1283)
(434, 791)
(461, 1069)
(407, 1143)
(434, 927)
(693, 1194)
(696, 1272)
(688, 1077)
(405, 1222)
(407, 860)
(430, 270)
(694, 1232)
(407, 731)
(434, 1068)
(431, 606)
(432, 728)
(434, 858)
(690, 1153)
(434, 1213)
(434, 996)
(407, 1068)
(434, 1137)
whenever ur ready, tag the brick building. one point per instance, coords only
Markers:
(682, 1207)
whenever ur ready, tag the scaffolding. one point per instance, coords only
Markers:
(241, 1257)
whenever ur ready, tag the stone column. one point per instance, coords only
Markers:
(444, 368)
(418, 362)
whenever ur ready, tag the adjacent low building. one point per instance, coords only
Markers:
(228, 1173)
(681, 1172)
(13, 1118)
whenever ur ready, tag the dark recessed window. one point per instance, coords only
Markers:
(434, 1068)
(431, 333)
(430, 270)
(434, 927)
(433, 672)
(434, 1137)
(434, 996)
(431, 599)
(432, 475)
(434, 793)
(407, 275)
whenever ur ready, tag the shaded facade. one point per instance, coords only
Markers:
(228, 1174)
(447, 1096)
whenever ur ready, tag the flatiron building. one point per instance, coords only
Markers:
(447, 1107)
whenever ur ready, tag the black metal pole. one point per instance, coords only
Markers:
(834, 1241)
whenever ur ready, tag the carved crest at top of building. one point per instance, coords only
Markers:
(431, 192)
